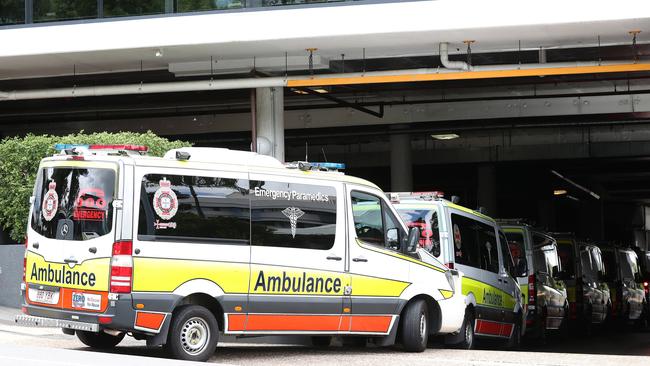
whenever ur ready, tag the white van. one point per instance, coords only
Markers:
(176, 250)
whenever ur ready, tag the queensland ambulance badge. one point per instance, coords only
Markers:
(165, 202)
(50, 202)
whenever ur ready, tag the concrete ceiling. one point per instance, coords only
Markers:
(383, 29)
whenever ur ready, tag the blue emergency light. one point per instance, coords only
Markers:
(336, 166)
(60, 147)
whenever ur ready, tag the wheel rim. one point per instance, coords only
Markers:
(423, 326)
(194, 336)
(469, 335)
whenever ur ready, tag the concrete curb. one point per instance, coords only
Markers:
(8, 314)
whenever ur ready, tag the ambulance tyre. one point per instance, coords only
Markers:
(415, 326)
(514, 342)
(99, 340)
(467, 336)
(193, 334)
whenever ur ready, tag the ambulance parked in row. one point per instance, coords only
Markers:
(584, 274)
(545, 294)
(623, 277)
(472, 243)
(179, 249)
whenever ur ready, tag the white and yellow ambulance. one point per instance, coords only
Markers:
(472, 243)
(179, 249)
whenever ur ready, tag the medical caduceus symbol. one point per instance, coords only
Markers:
(293, 213)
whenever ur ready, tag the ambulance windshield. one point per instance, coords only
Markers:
(73, 203)
(426, 219)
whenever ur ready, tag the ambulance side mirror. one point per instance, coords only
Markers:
(521, 269)
(412, 241)
(555, 272)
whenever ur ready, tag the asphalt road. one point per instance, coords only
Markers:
(48, 346)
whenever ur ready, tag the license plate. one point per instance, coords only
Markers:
(45, 297)
(81, 300)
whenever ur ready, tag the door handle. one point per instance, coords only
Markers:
(92, 250)
(334, 258)
(360, 259)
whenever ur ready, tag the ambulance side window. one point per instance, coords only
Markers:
(187, 208)
(475, 243)
(368, 220)
(293, 215)
(374, 223)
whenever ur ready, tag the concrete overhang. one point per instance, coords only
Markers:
(382, 29)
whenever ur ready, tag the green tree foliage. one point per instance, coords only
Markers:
(20, 157)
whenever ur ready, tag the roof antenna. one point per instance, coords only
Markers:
(306, 151)
(324, 156)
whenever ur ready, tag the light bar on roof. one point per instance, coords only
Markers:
(128, 147)
(337, 166)
(429, 195)
(70, 146)
(122, 147)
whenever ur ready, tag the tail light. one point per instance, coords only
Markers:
(25, 261)
(532, 290)
(645, 287)
(449, 265)
(122, 267)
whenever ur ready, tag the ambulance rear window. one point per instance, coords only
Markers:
(73, 203)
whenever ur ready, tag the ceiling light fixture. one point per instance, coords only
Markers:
(321, 90)
(445, 136)
(158, 53)
(559, 192)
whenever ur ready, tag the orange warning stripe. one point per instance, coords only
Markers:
(315, 323)
(370, 323)
(493, 328)
(465, 75)
(149, 320)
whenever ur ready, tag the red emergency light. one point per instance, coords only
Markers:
(127, 147)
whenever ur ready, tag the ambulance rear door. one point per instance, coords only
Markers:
(71, 234)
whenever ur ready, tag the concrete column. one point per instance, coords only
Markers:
(401, 165)
(487, 189)
(270, 122)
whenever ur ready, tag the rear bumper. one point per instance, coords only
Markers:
(37, 321)
(119, 315)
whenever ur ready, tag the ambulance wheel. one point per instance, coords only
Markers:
(321, 341)
(467, 332)
(564, 326)
(541, 336)
(514, 342)
(193, 334)
(415, 326)
(99, 340)
(643, 322)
